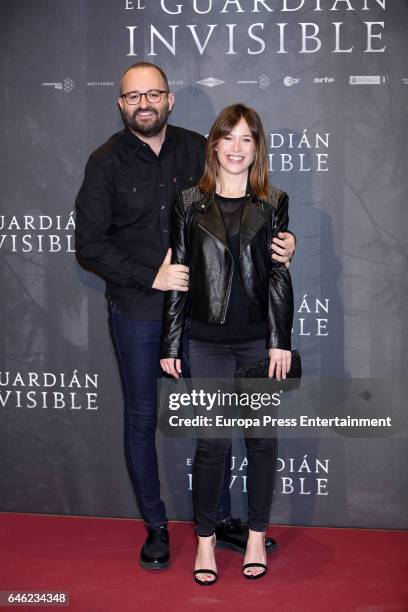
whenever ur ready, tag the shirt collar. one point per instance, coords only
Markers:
(136, 144)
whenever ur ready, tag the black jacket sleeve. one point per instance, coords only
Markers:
(94, 208)
(175, 302)
(280, 296)
(281, 216)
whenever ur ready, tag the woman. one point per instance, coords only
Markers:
(238, 298)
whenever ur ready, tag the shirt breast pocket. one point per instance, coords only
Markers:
(185, 179)
(134, 198)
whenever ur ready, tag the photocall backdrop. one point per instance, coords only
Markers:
(330, 81)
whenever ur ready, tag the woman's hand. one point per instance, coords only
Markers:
(171, 366)
(279, 362)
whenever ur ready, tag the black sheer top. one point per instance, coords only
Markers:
(237, 327)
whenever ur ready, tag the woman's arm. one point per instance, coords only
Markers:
(280, 302)
(283, 242)
(174, 301)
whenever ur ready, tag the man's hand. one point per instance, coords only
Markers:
(171, 366)
(283, 246)
(171, 276)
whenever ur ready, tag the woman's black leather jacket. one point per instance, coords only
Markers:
(199, 240)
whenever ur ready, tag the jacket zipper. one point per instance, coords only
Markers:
(224, 312)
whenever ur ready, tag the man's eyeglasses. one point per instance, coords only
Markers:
(153, 95)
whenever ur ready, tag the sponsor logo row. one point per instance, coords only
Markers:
(263, 82)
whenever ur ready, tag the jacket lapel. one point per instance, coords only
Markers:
(212, 221)
(253, 218)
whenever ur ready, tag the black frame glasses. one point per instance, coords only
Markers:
(152, 96)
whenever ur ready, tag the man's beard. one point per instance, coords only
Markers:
(148, 129)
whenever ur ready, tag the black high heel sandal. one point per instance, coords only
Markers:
(205, 582)
(254, 576)
(206, 571)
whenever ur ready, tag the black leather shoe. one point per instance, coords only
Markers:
(233, 534)
(155, 551)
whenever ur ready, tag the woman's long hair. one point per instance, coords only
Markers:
(224, 123)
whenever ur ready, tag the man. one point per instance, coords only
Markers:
(123, 212)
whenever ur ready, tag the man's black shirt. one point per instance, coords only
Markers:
(123, 212)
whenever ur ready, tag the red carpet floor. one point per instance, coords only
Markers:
(96, 561)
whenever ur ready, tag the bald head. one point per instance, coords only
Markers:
(146, 68)
(146, 118)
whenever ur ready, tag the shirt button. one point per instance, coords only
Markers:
(162, 207)
(161, 185)
(165, 230)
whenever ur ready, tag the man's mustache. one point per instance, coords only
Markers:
(141, 110)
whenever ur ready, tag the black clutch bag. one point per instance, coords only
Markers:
(259, 369)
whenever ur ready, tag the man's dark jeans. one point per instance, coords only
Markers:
(137, 348)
